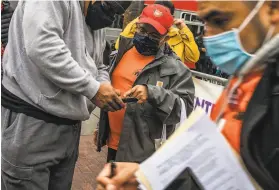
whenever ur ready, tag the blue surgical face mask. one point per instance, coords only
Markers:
(226, 50)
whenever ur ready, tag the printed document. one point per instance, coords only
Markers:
(199, 145)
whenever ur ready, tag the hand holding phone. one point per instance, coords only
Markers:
(130, 100)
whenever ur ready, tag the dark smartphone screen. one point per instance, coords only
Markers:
(130, 100)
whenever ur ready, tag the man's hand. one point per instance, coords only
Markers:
(140, 92)
(107, 98)
(180, 23)
(124, 178)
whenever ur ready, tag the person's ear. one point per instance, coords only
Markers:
(274, 12)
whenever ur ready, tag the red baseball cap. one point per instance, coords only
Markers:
(158, 16)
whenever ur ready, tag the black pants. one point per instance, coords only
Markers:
(111, 154)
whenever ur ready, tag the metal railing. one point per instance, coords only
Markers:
(112, 34)
(211, 78)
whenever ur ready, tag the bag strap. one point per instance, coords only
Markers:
(183, 114)
(164, 133)
(183, 117)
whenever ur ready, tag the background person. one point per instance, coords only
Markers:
(204, 64)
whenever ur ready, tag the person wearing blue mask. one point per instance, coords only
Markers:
(242, 38)
(226, 49)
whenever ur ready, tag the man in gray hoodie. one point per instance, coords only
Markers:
(53, 78)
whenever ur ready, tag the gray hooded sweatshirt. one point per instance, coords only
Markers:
(53, 60)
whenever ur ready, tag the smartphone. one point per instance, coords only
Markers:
(195, 179)
(130, 100)
(186, 180)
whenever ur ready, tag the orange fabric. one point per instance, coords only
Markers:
(123, 78)
(235, 108)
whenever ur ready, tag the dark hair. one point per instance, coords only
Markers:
(167, 4)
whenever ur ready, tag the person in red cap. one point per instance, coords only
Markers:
(145, 69)
(181, 39)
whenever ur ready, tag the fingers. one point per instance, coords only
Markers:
(177, 21)
(119, 102)
(130, 92)
(129, 186)
(134, 92)
(103, 176)
(124, 176)
(138, 92)
(99, 187)
(107, 108)
(142, 94)
(180, 23)
(115, 105)
(140, 98)
(111, 187)
(107, 98)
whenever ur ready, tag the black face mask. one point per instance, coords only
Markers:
(144, 45)
(98, 16)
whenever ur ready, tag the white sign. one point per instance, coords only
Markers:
(206, 94)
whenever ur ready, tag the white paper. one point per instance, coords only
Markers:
(202, 148)
(141, 187)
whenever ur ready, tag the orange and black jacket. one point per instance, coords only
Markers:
(259, 140)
